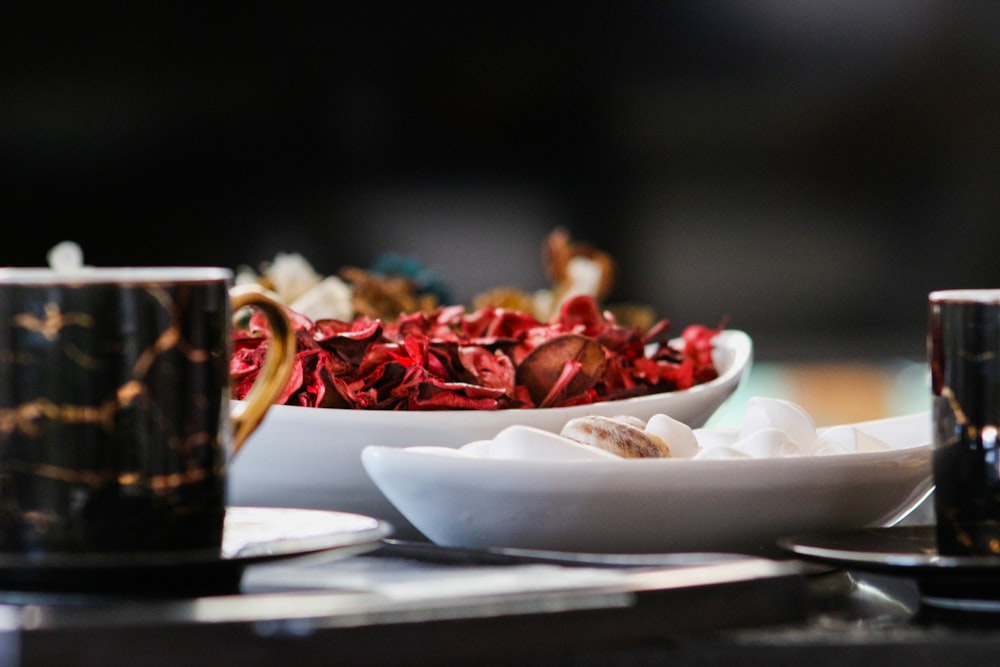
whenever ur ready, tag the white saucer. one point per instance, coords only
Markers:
(968, 583)
(250, 535)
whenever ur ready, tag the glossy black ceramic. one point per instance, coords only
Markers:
(113, 400)
(964, 354)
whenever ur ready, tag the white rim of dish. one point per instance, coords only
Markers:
(973, 295)
(112, 274)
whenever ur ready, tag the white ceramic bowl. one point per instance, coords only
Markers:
(311, 457)
(656, 505)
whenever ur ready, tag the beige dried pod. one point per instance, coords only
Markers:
(615, 436)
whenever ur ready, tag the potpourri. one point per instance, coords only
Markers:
(488, 359)
(382, 338)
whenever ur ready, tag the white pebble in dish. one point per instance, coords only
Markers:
(771, 428)
(678, 435)
(528, 442)
(788, 417)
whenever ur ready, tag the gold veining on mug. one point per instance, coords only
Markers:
(53, 322)
(194, 441)
(167, 340)
(159, 484)
(25, 417)
(129, 391)
(81, 358)
(972, 432)
(170, 338)
(41, 521)
(956, 407)
(91, 478)
(979, 357)
(163, 484)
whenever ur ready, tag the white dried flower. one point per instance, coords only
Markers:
(65, 256)
(245, 275)
(584, 276)
(330, 299)
(292, 275)
(543, 302)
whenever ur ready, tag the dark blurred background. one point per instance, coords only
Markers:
(808, 170)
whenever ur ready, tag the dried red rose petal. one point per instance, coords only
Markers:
(560, 368)
(491, 359)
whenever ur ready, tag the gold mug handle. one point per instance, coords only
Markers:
(277, 367)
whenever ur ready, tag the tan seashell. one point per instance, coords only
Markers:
(630, 420)
(615, 436)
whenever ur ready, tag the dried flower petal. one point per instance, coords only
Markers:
(490, 359)
(561, 367)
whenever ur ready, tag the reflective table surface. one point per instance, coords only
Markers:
(414, 603)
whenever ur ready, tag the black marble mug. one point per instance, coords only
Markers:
(116, 427)
(963, 342)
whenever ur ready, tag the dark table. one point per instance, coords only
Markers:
(411, 603)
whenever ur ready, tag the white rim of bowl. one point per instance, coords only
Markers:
(29, 276)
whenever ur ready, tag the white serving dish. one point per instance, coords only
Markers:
(311, 457)
(656, 505)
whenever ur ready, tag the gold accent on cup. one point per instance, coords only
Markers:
(277, 367)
